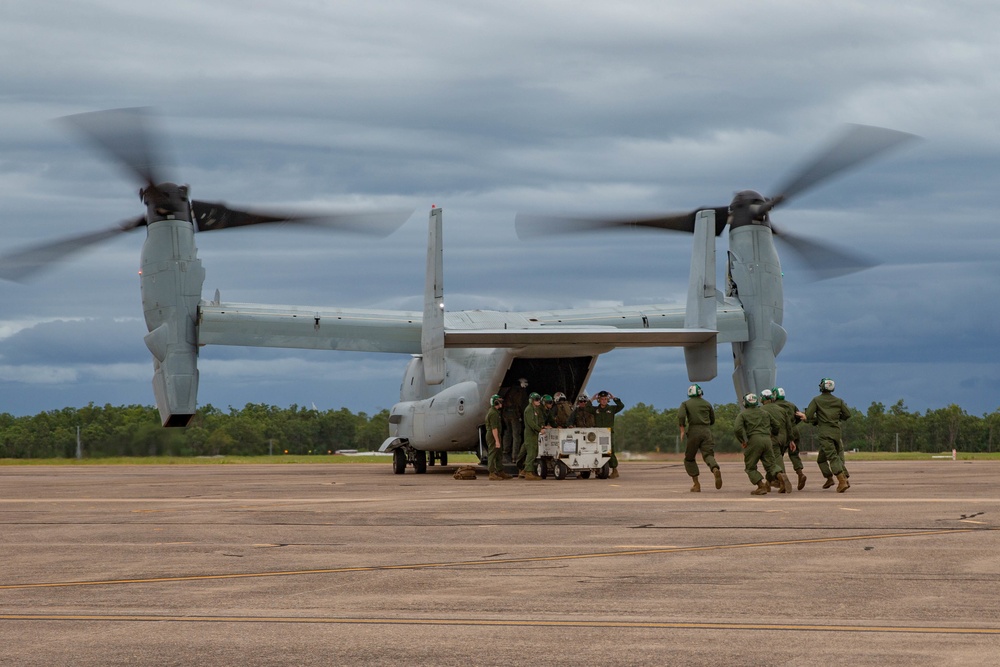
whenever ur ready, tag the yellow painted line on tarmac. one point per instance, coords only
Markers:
(503, 623)
(492, 562)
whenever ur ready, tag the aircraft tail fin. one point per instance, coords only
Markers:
(432, 329)
(702, 359)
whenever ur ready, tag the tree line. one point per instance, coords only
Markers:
(257, 429)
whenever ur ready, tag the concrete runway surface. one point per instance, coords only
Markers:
(352, 565)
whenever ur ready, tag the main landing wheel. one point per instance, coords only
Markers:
(398, 461)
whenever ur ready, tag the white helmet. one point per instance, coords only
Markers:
(694, 390)
(826, 385)
(523, 382)
(583, 398)
(766, 395)
(750, 400)
(559, 396)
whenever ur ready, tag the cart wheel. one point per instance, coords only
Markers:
(541, 469)
(583, 474)
(398, 461)
(560, 469)
(604, 471)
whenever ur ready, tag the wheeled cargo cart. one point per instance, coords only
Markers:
(583, 451)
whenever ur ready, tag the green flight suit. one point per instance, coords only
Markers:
(793, 436)
(826, 411)
(534, 422)
(754, 428)
(492, 451)
(605, 418)
(696, 417)
(779, 441)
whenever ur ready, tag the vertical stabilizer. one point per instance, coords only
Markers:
(702, 360)
(432, 330)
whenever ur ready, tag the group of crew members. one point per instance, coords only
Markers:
(513, 428)
(767, 429)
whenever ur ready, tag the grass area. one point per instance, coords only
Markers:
(453, 457)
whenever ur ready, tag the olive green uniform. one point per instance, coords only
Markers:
(779, 441)
(696, 417)
(534, 422)
(826, 411)
(793, 436)
(581, 417)
(493, 462)
(513, 407)
(605, 418)
(561, 413)
(754, 428)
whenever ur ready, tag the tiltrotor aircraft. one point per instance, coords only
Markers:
(459, 359)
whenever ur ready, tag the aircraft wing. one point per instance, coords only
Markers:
(359, 330)
(561, 336)
(399, 331)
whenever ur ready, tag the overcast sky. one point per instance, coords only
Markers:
(487, 109)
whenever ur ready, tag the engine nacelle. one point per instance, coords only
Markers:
(448, 421)
(171, 282)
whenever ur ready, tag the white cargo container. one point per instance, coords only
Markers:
(578, 450)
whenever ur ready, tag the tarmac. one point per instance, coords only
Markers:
(352, 565)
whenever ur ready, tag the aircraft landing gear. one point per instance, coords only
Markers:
(404, 455)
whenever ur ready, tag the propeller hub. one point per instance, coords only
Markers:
(749, 207)
(166, 201)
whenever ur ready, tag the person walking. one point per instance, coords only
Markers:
(825, 412)
(753, 428)
(695, 417)
(779, 441)
(794, 437)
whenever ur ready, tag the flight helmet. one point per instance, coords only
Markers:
(535, 396)
(694, 390)
(750, 401)
(766, 395)
(779, 393)
(495, 398)
(826, 385)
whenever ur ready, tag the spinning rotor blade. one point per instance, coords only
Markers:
(20, 266)
(535, 226)
(209, 216)
(823, 260)
(855, 145)
(124, 135)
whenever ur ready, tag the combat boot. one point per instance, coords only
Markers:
(802, 479)
(520, 474)
(530, 476)
(614, 474)
(828, 483)
(696, 487)
(718, 477)
(786, 485)
(843, 484)
(504, 475)
(495, 477)
(761, 489)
